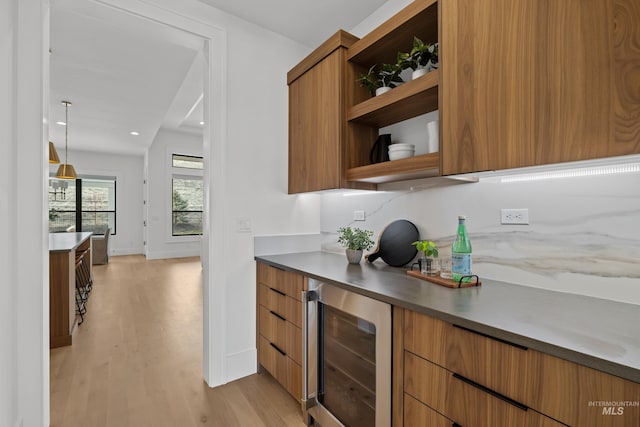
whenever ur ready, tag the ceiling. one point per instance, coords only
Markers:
(309, 22)
(126, 74)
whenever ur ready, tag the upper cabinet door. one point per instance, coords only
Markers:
(536, 82)
(315, 125)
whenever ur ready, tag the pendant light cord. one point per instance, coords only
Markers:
(66, 133)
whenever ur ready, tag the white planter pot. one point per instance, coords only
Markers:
(383, 89)
(418, 73)
(354, 256)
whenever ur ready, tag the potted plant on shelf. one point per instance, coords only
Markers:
(379, 82)
(429, 262)
(356, 241)
(421, 59)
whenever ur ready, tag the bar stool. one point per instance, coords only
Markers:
(84, 283)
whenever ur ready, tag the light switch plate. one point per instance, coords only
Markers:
(358, 216)
(243, 224)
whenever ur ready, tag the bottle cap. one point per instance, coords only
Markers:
(462, 217)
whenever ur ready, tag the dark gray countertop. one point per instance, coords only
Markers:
(66, 242)
(594, 332)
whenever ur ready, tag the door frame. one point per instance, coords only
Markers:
(31, 136)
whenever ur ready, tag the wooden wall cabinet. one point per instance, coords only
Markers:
(453, 375)
(523, 83)
(279, 322)
(536, 82)
(319, 139)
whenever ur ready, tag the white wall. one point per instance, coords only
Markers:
(128, 170)
(257, 170)
(8, 302)
(583, 235)
(160, 243)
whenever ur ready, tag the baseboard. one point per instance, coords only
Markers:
(241, 364)
(129, 251)
(173, 254)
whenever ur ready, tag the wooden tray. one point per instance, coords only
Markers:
(449, 283)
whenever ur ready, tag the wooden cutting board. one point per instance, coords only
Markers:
(449, 283)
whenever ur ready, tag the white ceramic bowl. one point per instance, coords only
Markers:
(401, 151)
(400, 146)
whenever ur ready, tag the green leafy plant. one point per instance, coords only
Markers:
(388, 75)
(53, 214)
(427, 247)
(355, 238)
(420, 55)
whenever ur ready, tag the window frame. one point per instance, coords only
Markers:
(78, 201)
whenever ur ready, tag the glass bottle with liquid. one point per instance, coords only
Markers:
(461, 253)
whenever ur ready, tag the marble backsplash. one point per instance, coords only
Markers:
(583, 235)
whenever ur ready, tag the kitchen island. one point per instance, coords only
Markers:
(62, 282)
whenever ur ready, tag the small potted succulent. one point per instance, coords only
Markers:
(356, 241)
(429, 262)
(381, 81)
(421, 59)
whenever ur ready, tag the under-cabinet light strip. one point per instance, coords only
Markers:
(574, 173)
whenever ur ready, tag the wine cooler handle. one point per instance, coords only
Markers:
(305, 346)
(308, 297)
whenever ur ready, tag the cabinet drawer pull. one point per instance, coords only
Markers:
(276, 347)
(521, 347)
(277, 291)
(277, 315)
(491, 392)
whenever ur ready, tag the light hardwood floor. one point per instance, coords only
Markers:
(137, 358)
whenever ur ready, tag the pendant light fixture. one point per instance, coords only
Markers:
(53, 154)
(66, 171)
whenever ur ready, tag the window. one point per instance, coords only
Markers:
(187, 200)
(98, 204)
(187, 162)
(86, 204)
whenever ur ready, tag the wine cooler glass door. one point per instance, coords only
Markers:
(349, 368)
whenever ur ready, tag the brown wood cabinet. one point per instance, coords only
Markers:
(477, 380)
(523, 83)
(537, 82)
(319, 88)
(279, 321)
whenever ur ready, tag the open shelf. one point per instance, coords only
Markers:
(411, 99)
(420, 18)
(422, 166)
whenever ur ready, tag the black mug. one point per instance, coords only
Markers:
(380, 151)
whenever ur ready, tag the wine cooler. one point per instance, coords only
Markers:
(347, 372)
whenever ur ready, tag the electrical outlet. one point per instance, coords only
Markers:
(514, 216)
(358, 216)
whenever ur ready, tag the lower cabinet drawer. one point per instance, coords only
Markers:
(287, 372)
(563, 390)
(416, 414)
(287, 282)
(284, 335)
(464, 402)
(278, 301)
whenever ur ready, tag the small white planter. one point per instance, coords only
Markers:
(383, 89)
(354, 256)
(418, 73)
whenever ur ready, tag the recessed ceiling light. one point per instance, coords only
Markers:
(61, 123)
(134, 133)
(201, 123)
